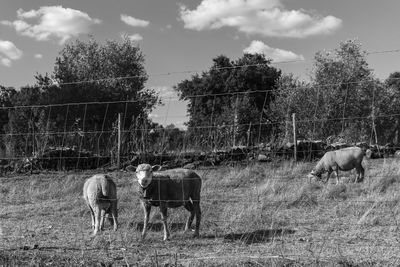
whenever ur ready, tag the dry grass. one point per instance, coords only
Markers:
(253, 215)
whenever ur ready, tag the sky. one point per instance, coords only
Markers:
(180, 38)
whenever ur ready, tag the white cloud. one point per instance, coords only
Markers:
(38, 56)
(134, 22)
(135, 37)
(9, 52)
(5, 61)
(52, 22)
(276, 54)
(262, 17)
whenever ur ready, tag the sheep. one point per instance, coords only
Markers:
(344, 159)
(169, 189)
(100, 195)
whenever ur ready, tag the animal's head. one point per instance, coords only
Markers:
(144, 173)
(314, 173)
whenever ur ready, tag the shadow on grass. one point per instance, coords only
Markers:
(36, 247)
(157, 226)
(258, 236)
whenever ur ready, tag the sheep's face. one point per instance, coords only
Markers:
(144, 174)
(316, 174)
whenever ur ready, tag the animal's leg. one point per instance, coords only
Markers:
(91, 215)
(328, 176)
(164, 216)
(336, 170)
(146, 209)
(197, 211)
(97, 215)
(360, 174)
(109, 217)
(114, 214)
(102, 217)
(189, 206)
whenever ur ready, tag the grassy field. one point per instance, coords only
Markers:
(253, 215)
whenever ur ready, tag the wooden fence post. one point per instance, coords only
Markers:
(119, 142)
(294, 136)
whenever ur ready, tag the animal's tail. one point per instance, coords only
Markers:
(105, 187)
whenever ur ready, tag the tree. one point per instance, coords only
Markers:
(28, 122)
(346, 89)
(117, 71)
(94, 73)
(389, 121)
(6, 97)
(91, 83)
(294, 96)
(229, 101)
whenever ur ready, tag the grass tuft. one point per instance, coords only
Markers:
(337, 192)
(306, 197)
(384, 183)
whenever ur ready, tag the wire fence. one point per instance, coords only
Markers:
(82, 134)
(254, 212)
(299, 222)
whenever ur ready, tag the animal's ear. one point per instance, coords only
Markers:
(156, 168)
(130, 168)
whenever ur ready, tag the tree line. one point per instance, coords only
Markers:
(247, 101)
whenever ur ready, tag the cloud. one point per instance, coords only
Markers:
(5, 61)
(38, 56)
(9, 52)
(134, 22)
(135, 37)
(166, 27)
(52, 22)
(261, 17)
(276, 54)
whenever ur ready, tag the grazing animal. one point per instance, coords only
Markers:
(100, 194)
(169, 189)
(344, 159)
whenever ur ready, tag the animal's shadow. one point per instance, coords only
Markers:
(258, 236)
(157, 226)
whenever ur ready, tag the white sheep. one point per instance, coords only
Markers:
(100, 194)
(344, 159)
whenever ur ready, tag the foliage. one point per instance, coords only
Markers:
(345, 85)
(294, 96)
(6, 101)
(82, 62)
(388, 127)
(229, 99)
(236, 102)
(86, 74)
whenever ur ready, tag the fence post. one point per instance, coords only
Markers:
(294, 136)
(119, 142)
(235, 120)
